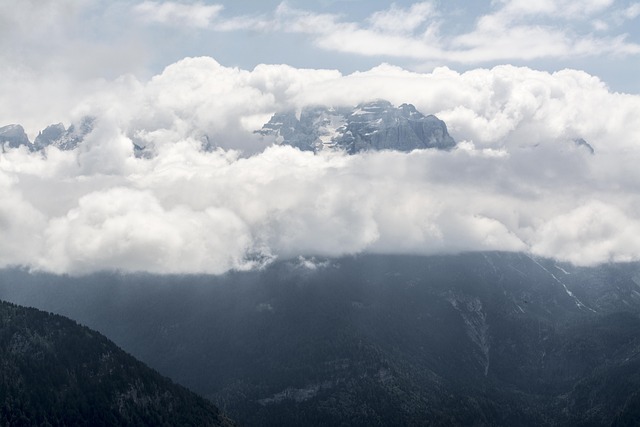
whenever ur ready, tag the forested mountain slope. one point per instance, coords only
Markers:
(470, 339)
(54, 372)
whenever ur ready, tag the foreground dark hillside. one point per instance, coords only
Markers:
(54, 372)
(472, 339)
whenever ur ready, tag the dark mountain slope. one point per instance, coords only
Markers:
(54, 372)
(471, 339)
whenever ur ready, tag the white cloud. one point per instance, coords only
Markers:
(517, 182)
(513, 30)
(632, 12)
(198, 14)
(592, 233)
(55, 52)
(401, 20)
(19, 222)
(124, 229)
(568, 9)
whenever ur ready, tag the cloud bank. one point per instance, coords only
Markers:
(516, 182)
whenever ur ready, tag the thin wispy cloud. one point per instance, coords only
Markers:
(198, 14)
(632, 12)
(513, 30)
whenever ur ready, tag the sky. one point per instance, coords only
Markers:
(516, 82)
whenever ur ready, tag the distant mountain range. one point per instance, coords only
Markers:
(376, 125)
(486, 339)
(370, 126)
(54, 372)
(14, 136)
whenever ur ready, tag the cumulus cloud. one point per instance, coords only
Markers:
(52, 53)
(516, 182)
(590, 233)
(198, 98)
(125, 229)
(20, 224)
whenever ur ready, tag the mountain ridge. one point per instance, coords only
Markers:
(374, 125)
(55, 372)
(485, 338)
(369, 126)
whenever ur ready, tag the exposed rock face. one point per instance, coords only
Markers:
(64, 139)
(50, 134)
(13, 136)
(376, 125)
(475, 320)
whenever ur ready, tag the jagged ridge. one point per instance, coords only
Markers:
(56, 135)
(376, 125)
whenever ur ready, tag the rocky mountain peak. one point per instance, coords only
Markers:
(57, 135)
(64, 139)
(374, 125)
(49, 134)
(13, 136)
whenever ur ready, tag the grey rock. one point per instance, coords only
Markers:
(13, 136)
(376, 125)
(49, 135)
(64, 139)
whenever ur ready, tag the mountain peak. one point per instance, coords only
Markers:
(13, 136)
(57, 135)
(62, 138)
(372, 125)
